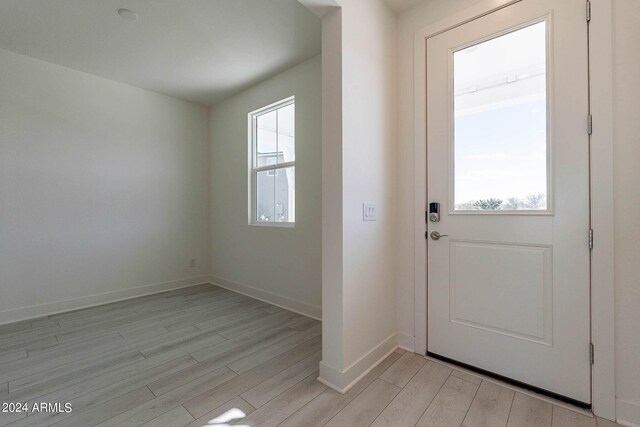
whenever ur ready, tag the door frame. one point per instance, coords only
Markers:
(601, 189)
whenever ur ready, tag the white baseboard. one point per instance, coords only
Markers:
(30, 312)
(406, 342)
(287, 303)
(628, 413)
(342, 380)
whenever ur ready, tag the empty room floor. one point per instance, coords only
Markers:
(204, 355)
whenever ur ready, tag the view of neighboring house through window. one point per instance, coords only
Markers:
(273, 164)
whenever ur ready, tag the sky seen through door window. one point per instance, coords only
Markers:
(500, 130)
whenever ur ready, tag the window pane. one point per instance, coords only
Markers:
(265, 193)
(266, 135)
(286, 134)
(500, 114)
(285, 206)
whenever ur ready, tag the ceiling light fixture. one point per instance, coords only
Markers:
(127, 14)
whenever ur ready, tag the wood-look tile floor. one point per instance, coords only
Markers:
(206, 356)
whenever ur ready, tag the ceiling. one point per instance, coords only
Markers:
(401, 5)
(198, 50)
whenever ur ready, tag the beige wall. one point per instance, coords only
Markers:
(280, 264)
(103, 190)
(627, 206)
(627, 175)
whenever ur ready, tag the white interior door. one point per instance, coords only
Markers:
(507, 159)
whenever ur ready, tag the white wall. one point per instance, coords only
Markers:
(364, 328)
(282, 265)
(332, 241)
(627, 175)
(627, 207)
(369, 174)
(103, 189)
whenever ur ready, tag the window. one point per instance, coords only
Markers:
(501, 150)
(272, 164)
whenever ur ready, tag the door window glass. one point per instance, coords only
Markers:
(500, 123)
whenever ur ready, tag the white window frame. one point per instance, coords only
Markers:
(254, 169)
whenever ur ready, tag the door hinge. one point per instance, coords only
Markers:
(588, 11)
(589, 124)
(591, 353)
(591, 238)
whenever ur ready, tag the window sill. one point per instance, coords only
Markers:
(274, 224)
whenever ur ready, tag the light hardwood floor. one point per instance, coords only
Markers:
(207, 356)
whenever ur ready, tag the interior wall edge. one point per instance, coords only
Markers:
(406, 341)
(628, 413)
(48, 309)
(300, 307)
(343, 380)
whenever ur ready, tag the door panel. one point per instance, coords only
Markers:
(507, 159)
(502, 288)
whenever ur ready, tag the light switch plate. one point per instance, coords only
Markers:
(369, 212)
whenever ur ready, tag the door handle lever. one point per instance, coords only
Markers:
(437, 236)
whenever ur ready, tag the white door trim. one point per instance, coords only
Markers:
(602, 273)
(602, 284)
